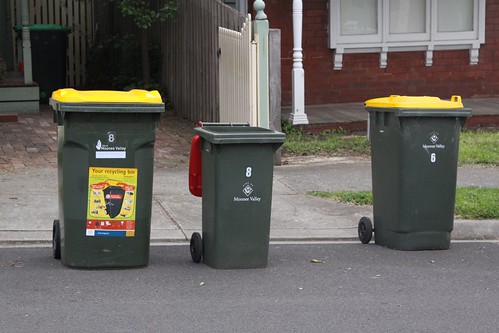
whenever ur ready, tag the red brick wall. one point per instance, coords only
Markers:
(361, 78)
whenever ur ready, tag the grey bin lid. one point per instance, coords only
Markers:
(239, 134)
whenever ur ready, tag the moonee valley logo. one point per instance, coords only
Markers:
(434, 139)
(247, 190)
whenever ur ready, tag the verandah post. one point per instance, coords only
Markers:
(298, 115)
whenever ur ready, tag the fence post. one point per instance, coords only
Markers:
(275, 85)
(261, 37)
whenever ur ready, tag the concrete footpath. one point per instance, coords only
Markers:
(29, 204)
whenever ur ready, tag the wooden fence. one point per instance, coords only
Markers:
(75, 14)
(190, 50)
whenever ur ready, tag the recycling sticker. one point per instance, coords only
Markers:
(111, 202)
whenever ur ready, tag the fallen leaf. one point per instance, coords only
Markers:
(317, 261)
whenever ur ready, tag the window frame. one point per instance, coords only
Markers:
(384, 42)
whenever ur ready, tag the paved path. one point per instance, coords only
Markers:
(31, 142)
(29, 204)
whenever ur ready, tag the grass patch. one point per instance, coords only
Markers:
(479, 147)
(472, 203)
(326, 143)
(330, 145)
(477, 203)
(475, 147)
(359, 198)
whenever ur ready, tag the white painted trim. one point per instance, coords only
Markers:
(429, 41)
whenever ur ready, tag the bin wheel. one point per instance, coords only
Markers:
(196, 247)
(365, 230)
(56, 239)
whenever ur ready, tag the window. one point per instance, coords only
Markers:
(407, 20)
(360, 20)
(364, 26)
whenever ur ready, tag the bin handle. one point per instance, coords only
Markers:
(229, 124)
(394, 98)
(196, 168)
(456, 99)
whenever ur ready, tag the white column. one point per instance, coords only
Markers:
(28, 75)
(298, 115)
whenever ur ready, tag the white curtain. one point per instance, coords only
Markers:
(358, 17)
(454, 15)
(407, 16)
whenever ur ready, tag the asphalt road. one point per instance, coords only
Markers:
(355, 288)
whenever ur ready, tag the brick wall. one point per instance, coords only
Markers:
(361, 78)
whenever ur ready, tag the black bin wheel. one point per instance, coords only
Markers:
(56, 239)
(365, 230)
(196, 247)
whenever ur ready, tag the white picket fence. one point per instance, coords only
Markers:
(237, 72)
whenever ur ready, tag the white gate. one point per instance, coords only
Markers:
(237, 73)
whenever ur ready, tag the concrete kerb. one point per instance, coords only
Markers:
(476, 230)
(29, 203)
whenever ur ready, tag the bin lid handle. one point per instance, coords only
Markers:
(228, 124)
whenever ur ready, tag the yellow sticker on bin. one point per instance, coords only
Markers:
(70, 95)
(415, 102)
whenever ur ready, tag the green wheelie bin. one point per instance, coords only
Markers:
(236, 162)
(414, 152)
(49, 44)
(105, 176)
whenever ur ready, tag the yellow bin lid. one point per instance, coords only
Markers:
(415, 102)
(70, 95)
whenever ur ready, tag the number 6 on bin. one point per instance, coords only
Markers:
(433, 157)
